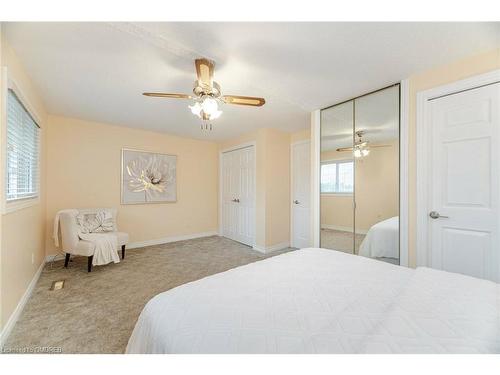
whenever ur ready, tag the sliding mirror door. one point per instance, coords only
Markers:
(337, 178)
(376, 192)
(359, 186)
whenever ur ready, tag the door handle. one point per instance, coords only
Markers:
(236, 200)
(296, 201)
(436, 215)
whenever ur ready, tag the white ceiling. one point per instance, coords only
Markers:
(97, 71)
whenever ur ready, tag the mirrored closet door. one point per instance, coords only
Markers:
(359, 187)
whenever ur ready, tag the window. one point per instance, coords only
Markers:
(337, 177)
(22, 151)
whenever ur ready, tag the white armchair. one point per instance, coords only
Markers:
(73, 245)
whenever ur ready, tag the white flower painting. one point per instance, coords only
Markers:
(148, 177)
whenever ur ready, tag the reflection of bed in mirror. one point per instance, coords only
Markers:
(382, 240)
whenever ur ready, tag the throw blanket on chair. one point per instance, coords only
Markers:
(94, 227)
(106, 246)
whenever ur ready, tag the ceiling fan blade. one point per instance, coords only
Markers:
(205, 72)
(244, 100)
(369, 147)
(167, 95)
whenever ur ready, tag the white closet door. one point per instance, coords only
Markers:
(465, 191)
(246, 197)
(238, 195)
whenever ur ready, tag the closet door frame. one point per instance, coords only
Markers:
(235, 148)
(403, 173)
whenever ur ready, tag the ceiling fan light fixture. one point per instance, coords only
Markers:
(196, 109)
(361, 151)
(215, 114)
(208, 95)
(209, 105)
(206, 109)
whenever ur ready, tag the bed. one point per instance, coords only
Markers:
(382, 240)
(323, 301)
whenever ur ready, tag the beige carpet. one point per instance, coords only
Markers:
(340, 240)
(96, 312)
(343, 241)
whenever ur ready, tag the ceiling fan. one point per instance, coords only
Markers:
(360, 148)
(207, 94)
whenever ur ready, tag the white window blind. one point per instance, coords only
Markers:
(22, 151)
(337, 177)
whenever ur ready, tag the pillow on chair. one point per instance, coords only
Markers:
(95, 222)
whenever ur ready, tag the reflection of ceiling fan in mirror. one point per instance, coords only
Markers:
(361, 148)
(207, 94)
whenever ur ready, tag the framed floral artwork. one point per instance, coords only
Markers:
(148, 177)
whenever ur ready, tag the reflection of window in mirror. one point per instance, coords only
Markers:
(337, 177)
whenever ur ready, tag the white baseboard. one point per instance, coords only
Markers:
(163, 240)
(159, 241)
(54, 257)
(343, 229)
(20, 306)
(270, 249)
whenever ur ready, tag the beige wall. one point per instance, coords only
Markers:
(301, 135)
(277, 167)
(22, 240)
(376, 190)
(84, 158)
(273, 184)
(422, 81)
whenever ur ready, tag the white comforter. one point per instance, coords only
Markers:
(323, 301)
(382, 240)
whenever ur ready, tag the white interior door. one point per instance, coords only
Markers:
(463, 217)
(245, 200)
(229, 192)
(301, 195)
(238, 195)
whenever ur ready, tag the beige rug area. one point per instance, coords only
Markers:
(96, 312)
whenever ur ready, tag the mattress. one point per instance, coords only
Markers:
(382, 240)
(323, 301)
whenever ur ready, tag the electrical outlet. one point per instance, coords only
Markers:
(32, 258)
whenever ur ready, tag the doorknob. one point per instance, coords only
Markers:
(436, 215)
(296, 201)
(236, 200)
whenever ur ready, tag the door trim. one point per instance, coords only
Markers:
(292, 145)
(422, 130)
(315, 176)
(404, 113)
(234, 148)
